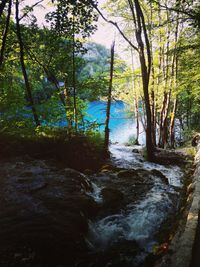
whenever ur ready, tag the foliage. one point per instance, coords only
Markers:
(131, 140)
(59, 56)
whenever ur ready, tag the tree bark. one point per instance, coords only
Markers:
(69, 108)
(5, 33)
(172, 124)
(26, 80)
(74, 78)
(2, 6)
(163, 135)
(135, 103)
(107, 130)
(137, 121)
(145, 70)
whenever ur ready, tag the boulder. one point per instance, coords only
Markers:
(112, 197)
(135, 150)
(161, 175)
(196, 140)
(44, 214)
(128, 174)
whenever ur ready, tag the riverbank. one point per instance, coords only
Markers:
(184, 248)
(78, 151)
(55, 216)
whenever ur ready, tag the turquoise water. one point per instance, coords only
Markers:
(121, 125)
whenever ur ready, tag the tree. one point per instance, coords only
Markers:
(5, 33)
(2, 6)
(73, 18)
(144, 52)
(106, 143)
(26, 80)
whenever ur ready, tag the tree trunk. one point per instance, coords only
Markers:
(74, 78)
(5, 33)
(69, 108)
(152, 96)
(172, 124)
(2, 6)
(167, 93)
(107, 131)
(135, 103)
(140, 34)
(26, 80)
(145, 70)
(137, 121)
(51, 77)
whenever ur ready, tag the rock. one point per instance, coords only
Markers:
(88, 172)
(196, 140)
(112, 197)
(135, 150)
(161, 175)
(27, 174)
(107, 168)
(45, 210)
(128, 173)
(79, 179)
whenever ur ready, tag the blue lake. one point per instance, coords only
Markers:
(121, 125)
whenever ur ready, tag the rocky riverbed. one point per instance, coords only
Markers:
(52, 216)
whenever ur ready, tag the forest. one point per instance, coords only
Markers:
(97, 141)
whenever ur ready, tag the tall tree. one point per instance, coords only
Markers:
(2, 6)
(5, 33)
(106, 143)
(144, 52)
(23, 67)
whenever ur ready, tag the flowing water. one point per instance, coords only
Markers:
(149, 203)
(139, 220)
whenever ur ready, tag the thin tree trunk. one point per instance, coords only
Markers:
(172, 124)
(135, 103)
(51, 77)
(152, 95)
(74, 78)
(5, 33)
(137, 121)
(174, 75)
(26, 80)
(165, 120)
(68, 106)
(107, 131)
(2, 6)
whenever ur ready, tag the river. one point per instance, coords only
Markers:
(122, 123)
(150, 200)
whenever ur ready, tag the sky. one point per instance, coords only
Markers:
(104, 35)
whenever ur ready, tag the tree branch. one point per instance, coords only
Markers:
(115, 25)
(26, 13)
(189, 14)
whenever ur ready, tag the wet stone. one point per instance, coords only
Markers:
(45, 210)
(112, 197)
(128, 173)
